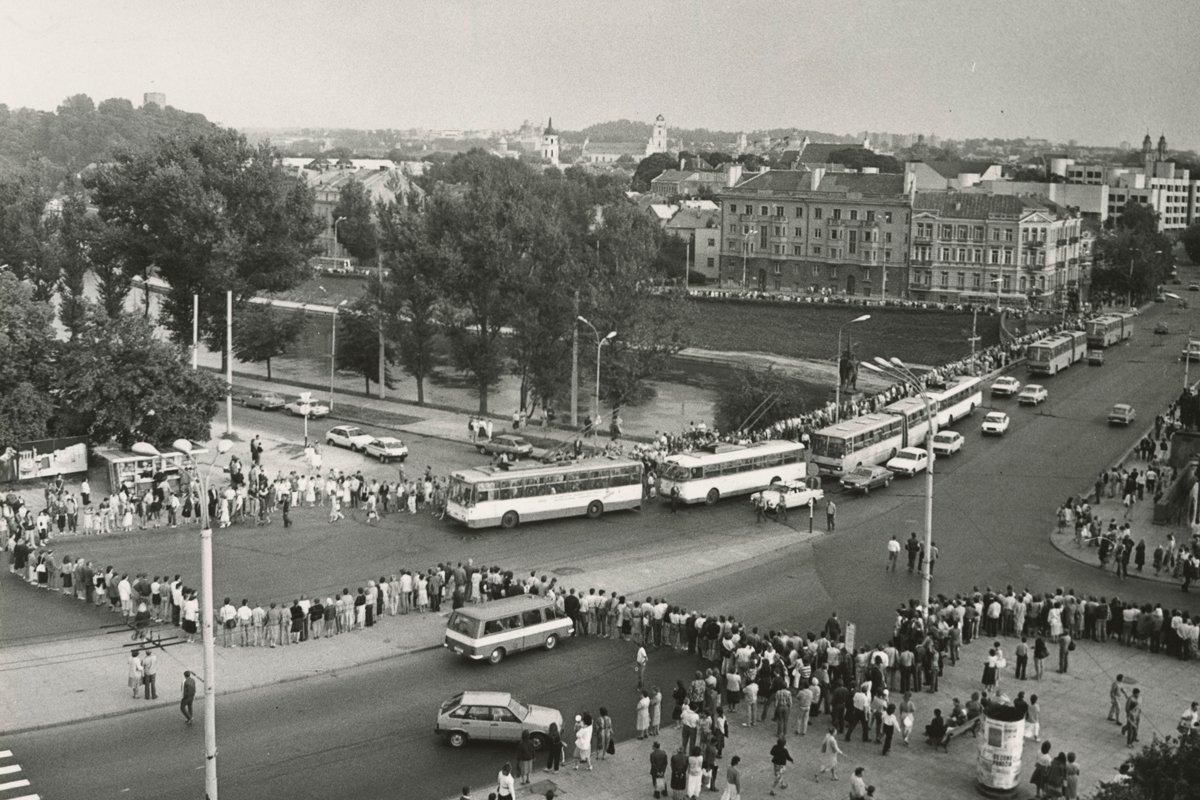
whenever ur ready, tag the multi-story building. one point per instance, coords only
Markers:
(1172, 192)
(969, 247)
(812, 230)
(701, 228)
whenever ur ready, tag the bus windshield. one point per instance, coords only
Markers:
(676, 472)
(461, 492)
(828, 446)
(463, 625)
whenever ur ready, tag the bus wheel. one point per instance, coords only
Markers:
(712, 497)
(595, 509)
(551, 642)
(496, 656)
(509, 520)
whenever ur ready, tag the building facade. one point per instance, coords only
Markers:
(986, 248)
(1173, 193)
(814, 231)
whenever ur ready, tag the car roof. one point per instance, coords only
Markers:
(995, 415)
(946, 433)
(505, 607)
(486, 698)
(388, 439)
(912, 451)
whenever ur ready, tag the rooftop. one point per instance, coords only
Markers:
(962, 205)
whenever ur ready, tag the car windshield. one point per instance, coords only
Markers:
(864, 472)
(352, 431)
(518, 708)
(944, 437)
(995, 418)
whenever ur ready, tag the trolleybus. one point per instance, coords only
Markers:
(723, 470)
(1055, 353)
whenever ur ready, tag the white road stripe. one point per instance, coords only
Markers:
(9, 770)
(4, 787)
(27, 797)
(5, 753)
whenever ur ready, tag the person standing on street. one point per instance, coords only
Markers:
(135, 671)
(189, 695)
(858, 784)
(150, 673)
(639, 665)
(830, 515)
(506, 787)
(914, 548)
(658, 770)
(830, 750)
(1114, 700)
(1133, 715)
(733, 780)
(893, 549)
(780, 758)
(1065, 646)
(1033, 718)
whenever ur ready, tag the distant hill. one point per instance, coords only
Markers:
(79, 132)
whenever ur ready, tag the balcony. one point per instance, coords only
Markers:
(1074, 240)
(1034, 244)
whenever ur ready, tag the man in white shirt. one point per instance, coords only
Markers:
(893, 550)
(228, 620)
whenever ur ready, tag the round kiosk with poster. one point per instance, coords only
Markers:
(1001, 741)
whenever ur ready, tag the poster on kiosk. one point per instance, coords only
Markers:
(1001, 739)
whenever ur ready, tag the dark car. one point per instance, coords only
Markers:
(511, 445)
(866, 477)
(267, 401)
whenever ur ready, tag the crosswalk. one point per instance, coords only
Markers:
(11, 782)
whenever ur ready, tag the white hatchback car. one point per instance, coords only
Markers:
(350, 436)
(909, 461)
(1006, 386)
(995, 423)
(947, 442)
(387, 448)
(1032, 394)
(301, 407)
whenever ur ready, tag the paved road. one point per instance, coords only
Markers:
(363, 733)
(357, 733)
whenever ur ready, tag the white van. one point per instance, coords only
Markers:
(495, 629)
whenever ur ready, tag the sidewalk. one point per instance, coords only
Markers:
(1073, 720)
(89, 672)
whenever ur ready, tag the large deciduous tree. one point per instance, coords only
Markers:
(1166, 769)
(414, 264)
(27, 242)
(1133, 257)
(356, 230)
(26, 362)
(358, 340)
(117, 381)
(650, 168)
(1190, 238)
(212, 214)
(261, 333)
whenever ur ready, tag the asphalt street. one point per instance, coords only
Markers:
(356, 734)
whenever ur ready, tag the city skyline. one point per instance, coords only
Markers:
(1096, 73)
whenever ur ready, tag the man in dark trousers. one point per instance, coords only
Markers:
(658, 770)
(189, 695)
(914, 548)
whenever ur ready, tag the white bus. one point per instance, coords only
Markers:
(723, 470)
(1055, 353)
(1109, 329)
(959, 399)
(509, 495)
(866, 439)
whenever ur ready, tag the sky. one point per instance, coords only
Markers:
(1098, 71)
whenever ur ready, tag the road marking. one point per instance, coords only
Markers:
(5, 753)
(27, 797)
(9, 770)
(4, 787)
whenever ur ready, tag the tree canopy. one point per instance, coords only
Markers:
(356, 230)
(261, 333)
(1132, 258)
(1190, 238)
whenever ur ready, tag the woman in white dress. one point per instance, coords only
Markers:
(695, 771)
(829, 755)
(310, 492)
(1055, 622)
(422, 593)
(643, 715)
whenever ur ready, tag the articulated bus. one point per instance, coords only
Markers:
(959, 399)
(722, 470)
(1109, 329)
(1056, 353)
(507, 496)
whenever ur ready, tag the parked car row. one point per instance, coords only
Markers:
(304, 405)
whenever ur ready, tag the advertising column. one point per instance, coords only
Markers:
(1001, 740)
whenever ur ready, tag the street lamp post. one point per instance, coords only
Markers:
(206, 608)
(896, 369)
(837, 391)
(600, 342)
(745, 252)
(333, 347)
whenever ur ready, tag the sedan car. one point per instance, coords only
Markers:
(947, 443)
(1006, 386)
(1032, 394)
(307, 407)
(509, 445)
(494, 717)
(1121, 414)
(865, 478)
(994, 424)
(909, 461)
(350, 436)
(1162, 328)
(267, 401)
(386, 448)
(792, 494)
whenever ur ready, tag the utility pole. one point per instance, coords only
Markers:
(229, 361)
(382, 359)
(974, 338)
(575, 365)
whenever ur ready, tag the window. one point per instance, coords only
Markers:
(947, 231)
(962, 254)
(799, 212)
(887, 255)
(995, 256)
(1008, 235)
(977, 255)
(531, 617)
(853, 214)
(745, 230)
(887, 237)
(763, 209)
(711, 262)
(733, 227)
(816, 271)
(712, 242)
(799, 231)
(1008, 255)
(978, 233)
(962, 233)
(779, 230)
(779, 211)
(835, 252)
(817, 212)
(962, 280)
(837, 213)
(976, 281)
(797, 250)
(945, 279)
(833, 233)
(944, 254)
(870, 216)
(778, 269)
(817, 233)
(887, 217)
(816, 249)
(866, 236)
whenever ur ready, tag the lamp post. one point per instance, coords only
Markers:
(837, 391)
(745, 252)
(600, 342)
(895, 368)
(206, 609)
(1187, 361)
(332, 346)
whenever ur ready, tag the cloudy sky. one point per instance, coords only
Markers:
(1098, 71)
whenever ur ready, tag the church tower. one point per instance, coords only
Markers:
(550, 143)
(1162, 147)
(658, 138)
(1147, 144)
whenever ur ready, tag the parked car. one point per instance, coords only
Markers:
(1006, 386)
(1162, 328)
(307, 407)
(267, 401)
(947, 442)
(994, 424)
(866, 477)
(510, 445)
(909, 461)
(1194, 287)
(1095, 358)
(386, 448)
(350, 436)
(494, 717)
(792, 494)
(1121, 414)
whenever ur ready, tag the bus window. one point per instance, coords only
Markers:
(531, 617)
(462, 624)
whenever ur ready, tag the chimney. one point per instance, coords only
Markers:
(818, 174)
(681, 166)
